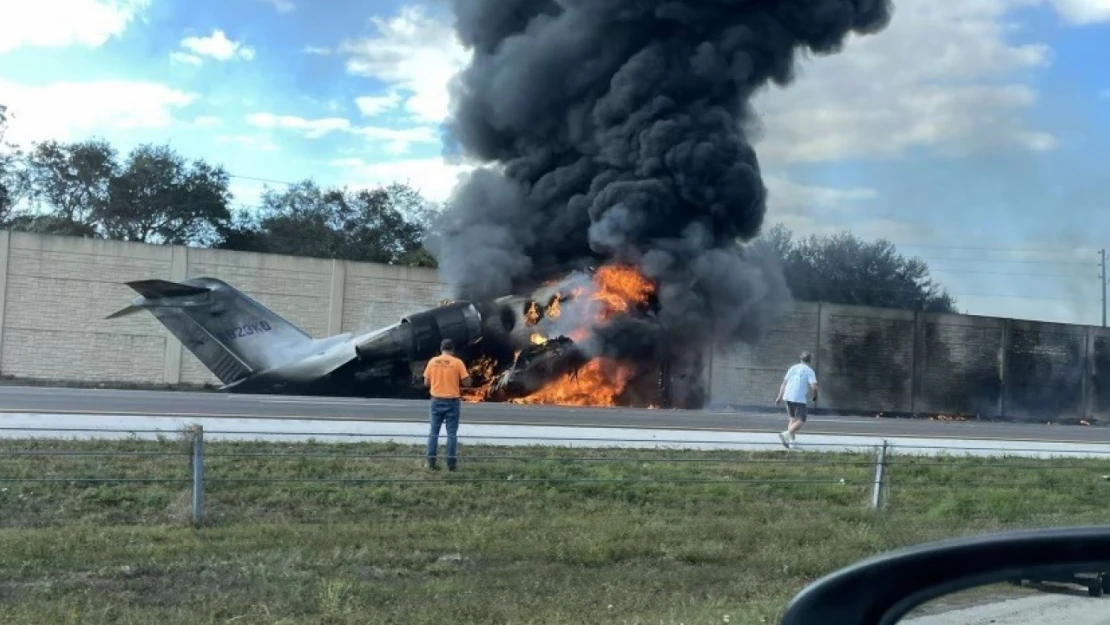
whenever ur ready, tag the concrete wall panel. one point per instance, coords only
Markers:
(379, 295)
(958, 364)
(58, 291)
(750, 374)
(1099, 394)
(866, 359)
(1045, 368)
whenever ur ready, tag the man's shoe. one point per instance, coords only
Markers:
(783, 436)
(451, 468)
(431, 466)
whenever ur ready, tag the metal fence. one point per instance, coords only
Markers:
(158, 468)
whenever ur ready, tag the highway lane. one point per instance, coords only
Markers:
(108, 402)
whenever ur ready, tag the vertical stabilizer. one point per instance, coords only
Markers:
(233, 335)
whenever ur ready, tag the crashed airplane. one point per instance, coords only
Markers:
(252, 349)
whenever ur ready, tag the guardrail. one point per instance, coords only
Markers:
(182, 459)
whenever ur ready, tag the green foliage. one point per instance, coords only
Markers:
(844, 269)
(384, 225)
(155, 195)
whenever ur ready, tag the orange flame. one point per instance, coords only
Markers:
(620, 288)
(481, 371)
(599, 382)
(537, 339)
(532, 315)
(553, 310)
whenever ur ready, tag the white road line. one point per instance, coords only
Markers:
(26, 425)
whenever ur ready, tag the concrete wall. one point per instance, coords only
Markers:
(873, 360)
(56, 291)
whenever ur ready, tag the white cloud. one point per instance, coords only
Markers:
(215, 46)
(207, 121)
(415, 55)
(73, 110)
(943, 76)
(799, 207)
(1083, 12)
(433, 177)
(250, 141)
(316, 50)
(58, 23)
(785, 195)
(397, 140)
(311, 128)
(372, 106)
(281, 6)
(184, 57)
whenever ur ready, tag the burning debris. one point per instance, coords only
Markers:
(546, 358)
(616, 134)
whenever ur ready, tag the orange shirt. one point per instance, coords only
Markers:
(445, 373)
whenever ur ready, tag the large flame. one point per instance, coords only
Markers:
(620, 288)
(599, 382)
(483, 368)
(613, 290)
(616, 289)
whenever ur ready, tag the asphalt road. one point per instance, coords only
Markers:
(1042, 609)
(17, 399)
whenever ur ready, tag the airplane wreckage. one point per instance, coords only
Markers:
(522, 349)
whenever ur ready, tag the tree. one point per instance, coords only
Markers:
(844, 269)
(383, 225)
(154, 197)
(13, 180)
(71, 180)
(158, 197)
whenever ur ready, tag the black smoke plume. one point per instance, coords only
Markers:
(613, 131)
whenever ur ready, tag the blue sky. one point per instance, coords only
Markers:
(974, 134)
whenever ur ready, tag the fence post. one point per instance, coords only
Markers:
(198, 474)
(877, 490)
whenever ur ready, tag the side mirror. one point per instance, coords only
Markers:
(890, 588)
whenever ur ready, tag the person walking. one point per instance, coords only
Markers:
(796, 386)
(445, 375)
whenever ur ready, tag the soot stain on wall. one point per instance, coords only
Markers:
(959, 369)
(1044, 374)
(868, 364)
(1100, 393)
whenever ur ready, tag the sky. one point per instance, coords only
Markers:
(974, 134)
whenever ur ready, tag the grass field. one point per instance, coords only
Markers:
(518, 535)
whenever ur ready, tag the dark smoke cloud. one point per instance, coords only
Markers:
(614, 132)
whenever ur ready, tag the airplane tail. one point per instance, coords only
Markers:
(231, 334)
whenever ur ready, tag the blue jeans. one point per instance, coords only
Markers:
(444, 411)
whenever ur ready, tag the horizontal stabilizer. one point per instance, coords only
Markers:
(153, 289)
(123, 313)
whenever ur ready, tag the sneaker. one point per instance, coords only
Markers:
(784, 439)
(431, 466)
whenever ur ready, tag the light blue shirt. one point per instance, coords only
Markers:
(798, 380)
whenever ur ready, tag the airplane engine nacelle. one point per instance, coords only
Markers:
(418, 336)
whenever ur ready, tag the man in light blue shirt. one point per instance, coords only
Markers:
(795, 388)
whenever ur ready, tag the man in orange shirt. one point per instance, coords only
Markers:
(445, 375)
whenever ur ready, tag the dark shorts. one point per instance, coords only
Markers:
(797, 411)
